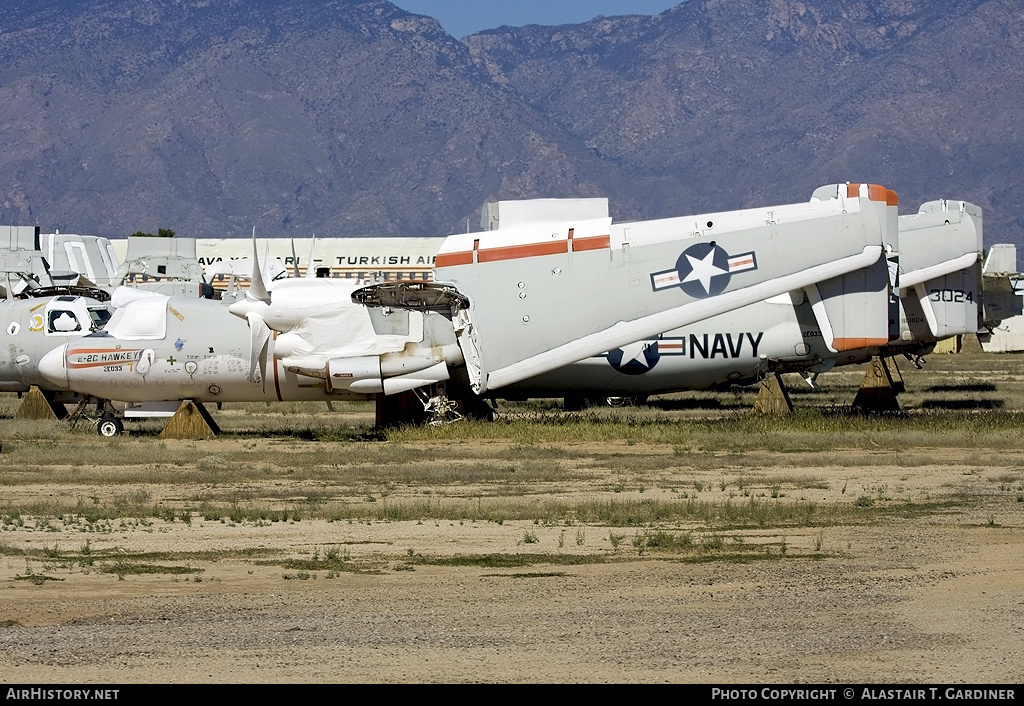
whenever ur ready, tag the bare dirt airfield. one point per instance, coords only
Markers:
(685, 542)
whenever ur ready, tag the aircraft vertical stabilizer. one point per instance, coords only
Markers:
(853, 310)
(940, 267)
(999, 279)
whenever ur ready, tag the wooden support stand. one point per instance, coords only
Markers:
(772, 397)
(882, 383)
(191, 421)
(36, 405)
(971, 344)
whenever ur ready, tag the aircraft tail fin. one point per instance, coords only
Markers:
(852, 310)
(940, 270)
(1001, 259)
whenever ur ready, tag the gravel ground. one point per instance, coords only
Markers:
(908, 601)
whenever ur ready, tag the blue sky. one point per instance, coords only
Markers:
(462, 17)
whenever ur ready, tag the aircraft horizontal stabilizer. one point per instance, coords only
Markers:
(546, 296)
(852, 310)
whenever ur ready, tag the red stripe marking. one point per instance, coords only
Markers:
(515, 252)
(594, 242)
(452, 259)
(852, 344)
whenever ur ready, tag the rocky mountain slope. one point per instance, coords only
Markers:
(349, 118)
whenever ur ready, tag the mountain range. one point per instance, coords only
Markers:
(355, 118)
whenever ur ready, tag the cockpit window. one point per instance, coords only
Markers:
(62, 321)
(99, 318)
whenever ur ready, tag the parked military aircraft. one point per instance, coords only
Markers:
(37, 313)
(507, 305)
(931, 291)
(33, 327)
(53, 306)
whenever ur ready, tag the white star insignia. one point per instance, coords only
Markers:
(634, 352)
(704, 270)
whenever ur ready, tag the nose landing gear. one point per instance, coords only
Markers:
(110, 427)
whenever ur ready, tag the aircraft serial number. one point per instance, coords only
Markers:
(113, 368)
(957, 296)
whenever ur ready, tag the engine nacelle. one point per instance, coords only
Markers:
(363, 375)
(360, 375)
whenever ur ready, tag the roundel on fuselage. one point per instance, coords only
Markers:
(703, 270)
(635, 359)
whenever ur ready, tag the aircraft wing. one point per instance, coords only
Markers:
(541, 297)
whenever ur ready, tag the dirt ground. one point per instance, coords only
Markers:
(931, 598)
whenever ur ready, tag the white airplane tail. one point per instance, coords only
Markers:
(1000, 277)
(939, 278)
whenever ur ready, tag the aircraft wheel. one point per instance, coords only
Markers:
(637, 401)
(110, 427)
(575, 404)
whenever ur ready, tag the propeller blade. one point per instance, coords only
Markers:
(257, 289)
(311, 264)
(295, 261)
(260, 348)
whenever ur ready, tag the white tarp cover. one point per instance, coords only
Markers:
(144, 318)
(319, 318)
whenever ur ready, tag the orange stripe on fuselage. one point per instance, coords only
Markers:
(852, 344)
(79, 351)
(515, 252)
(594, 242)
(451, 259)
(101, 363)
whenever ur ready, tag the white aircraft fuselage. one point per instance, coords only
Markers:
(169, 349)
(31, 328)
(520, 304)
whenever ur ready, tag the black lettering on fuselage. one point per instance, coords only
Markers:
(695, 346)
(755, 342)
(723, 345)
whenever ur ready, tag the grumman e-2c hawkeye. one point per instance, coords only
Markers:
(506, 305)
(931, 289)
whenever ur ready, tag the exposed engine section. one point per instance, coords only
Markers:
(422, 296)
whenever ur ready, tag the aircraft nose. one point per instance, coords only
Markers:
(53, 366)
